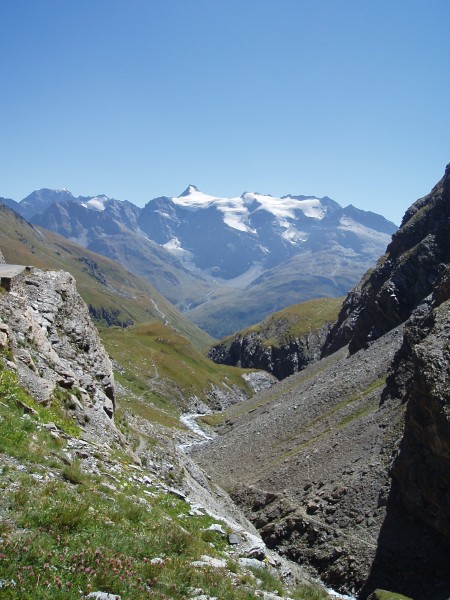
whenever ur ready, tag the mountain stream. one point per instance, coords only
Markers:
(190, 421)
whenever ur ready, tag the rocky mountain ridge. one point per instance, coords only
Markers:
(404, 275)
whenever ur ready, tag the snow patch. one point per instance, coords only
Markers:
(97, 203)
(193, 199)
(236, 211)
(285, 207)
(293, 235)
(176, 249)
(173, 244)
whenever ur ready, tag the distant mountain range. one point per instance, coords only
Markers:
(225, 262)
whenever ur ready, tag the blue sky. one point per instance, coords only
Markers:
(139, 98)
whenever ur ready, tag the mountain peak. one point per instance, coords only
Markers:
(189, 190)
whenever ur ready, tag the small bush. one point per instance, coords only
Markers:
(309, 591)
(73, 473)
(270, 583)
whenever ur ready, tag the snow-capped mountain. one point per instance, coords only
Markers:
(228, 237)
(210, 255)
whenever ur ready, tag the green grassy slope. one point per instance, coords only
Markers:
(294, 321)
(164, 370)
(79, 517)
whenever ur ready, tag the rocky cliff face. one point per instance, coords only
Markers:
(56, 349)
(403, 277)
(422, 378)
(252, 352)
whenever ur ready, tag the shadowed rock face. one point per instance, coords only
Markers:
(422, 468)
(413, 542)
(403, 277)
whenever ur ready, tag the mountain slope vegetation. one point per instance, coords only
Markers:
(284, 343)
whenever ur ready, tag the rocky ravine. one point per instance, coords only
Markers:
(346, 466)
(47, 337)
(308, 460)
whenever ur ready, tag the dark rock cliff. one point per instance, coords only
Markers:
(251, 351)
(422, 377)
(413, 549)
(403, 277)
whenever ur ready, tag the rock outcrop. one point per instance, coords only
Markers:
(251, 351)
(56, 350)
(284, 343)
(403, 277)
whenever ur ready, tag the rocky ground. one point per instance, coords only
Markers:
(56, 350)
(310, 461)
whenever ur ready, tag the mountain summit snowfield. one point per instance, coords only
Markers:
(227, 237)
(237, 211)
(226, 262)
